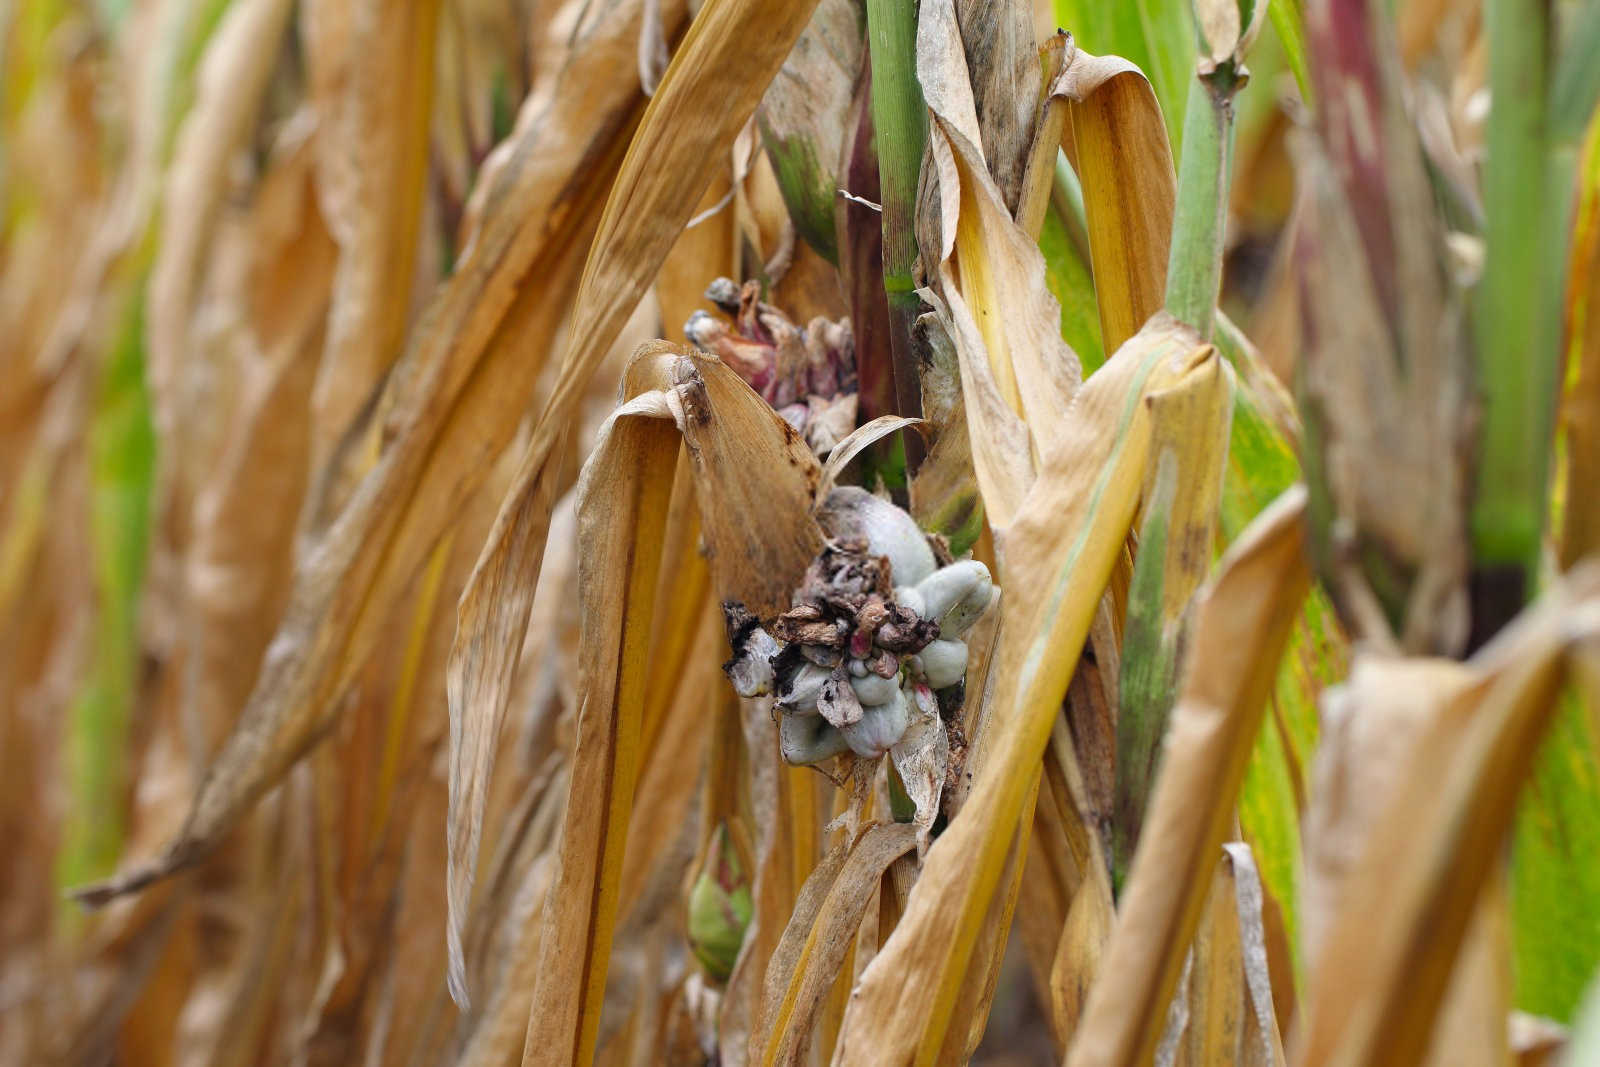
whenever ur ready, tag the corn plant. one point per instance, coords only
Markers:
(845, 531)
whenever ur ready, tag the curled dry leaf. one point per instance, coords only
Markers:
(815, 942)
(1404, 915)
(229, 93)
(388, 90)
(1242, 623)
(804, 118)
(452, 405)
(1118, 144)
(724, 63)
(1017, 375)
(1058, 553)
(754, 481)
(1227, 29)
(1580, 531)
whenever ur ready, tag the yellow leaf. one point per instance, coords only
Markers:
(1058, 555)
(1119, 148)
(1382, 976)
(1241, 625)
(755, 479)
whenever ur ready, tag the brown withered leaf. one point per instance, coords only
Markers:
(1003, 57)
(1059, 554)
(725, 61)
(229, 94)
(814, 944)
(1241, 625)
(387, 99)
(452, 405)
(1580, 421)
(1017, 375)
(244, 516)
(804, 118)
(1387, 960)
(754, 479)
(1118, 144)
(1227, 1015)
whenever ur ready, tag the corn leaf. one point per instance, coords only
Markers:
(1155, 35)
(385, 154)
(1059, 553)
(462, 380)
(1580, 422)
(1417, 886)
(747, 464)
(1120, 150)
(814, 944)
(1241, 626)
(1189, 455)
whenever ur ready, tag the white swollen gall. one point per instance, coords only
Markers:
(852, 512)
(880, 727)
(804, 687)
(750, 670)
(943, 662)
(956, 595)
(838, 702)
(872, 690)
(808, 739)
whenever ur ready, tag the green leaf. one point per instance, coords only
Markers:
(1070, 282)
(122, 465)
(1555, 882)
(1576, 84)
(1290, 28)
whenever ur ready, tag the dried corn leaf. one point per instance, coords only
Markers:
(1017, 375)
(724, 63)
(229, 96)
(997, 37)
(1230, 1015)
(805, 115)
(452, 406)
(1241, 625)
(755, 480)
(1182, 492)
(814, 945)
(1390, 954)
(388, 96)
(244, 515)
(1059, 553)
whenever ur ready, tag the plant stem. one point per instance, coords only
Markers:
(1149, 675)
(1518, 307)
(901, 126)
(1194, 266)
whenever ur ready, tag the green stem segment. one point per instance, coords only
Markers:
(900, 121)
(1194, 265)
(1518, 308)
(1148, 687)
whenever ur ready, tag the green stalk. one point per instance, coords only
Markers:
(1194, 266)
(1518, 310)
(900, 123)
(1148, 686)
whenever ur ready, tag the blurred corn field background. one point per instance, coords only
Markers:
(821, 531)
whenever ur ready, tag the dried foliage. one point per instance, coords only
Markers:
(636, 532)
